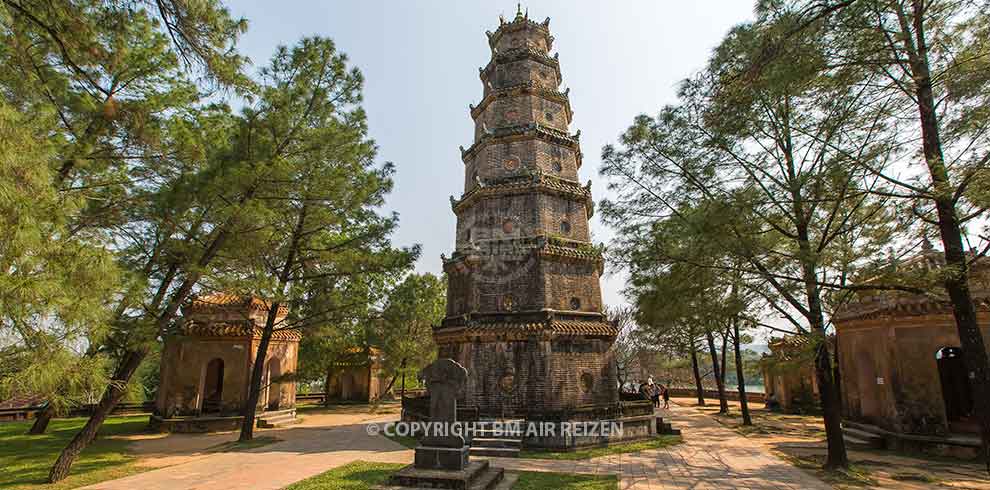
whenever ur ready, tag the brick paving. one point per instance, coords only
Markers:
(711, 457)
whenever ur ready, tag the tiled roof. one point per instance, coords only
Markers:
(234, 329)
(227, 301)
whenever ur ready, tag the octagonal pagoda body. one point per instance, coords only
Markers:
(524, 308)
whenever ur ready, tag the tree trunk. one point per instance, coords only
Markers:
(389, 387)
(326, 387)
(257, 371)
(725, 366)
(41, 420)
(743, 401)
(723, 404)
(114, 392)
(698, 386)
(956, 283)
(827, 389)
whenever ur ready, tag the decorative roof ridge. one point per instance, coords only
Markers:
(578, 250)
(522, 129)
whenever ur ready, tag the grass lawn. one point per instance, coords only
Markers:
(25, 460)
(533, 480)
(629, 447)
(364, 476)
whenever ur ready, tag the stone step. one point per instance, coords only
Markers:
(496, 442)
(493, 434)
(665, 428)
(280, 418)
(498, 452)
(863, 439)
(275, 413)
(488, 479)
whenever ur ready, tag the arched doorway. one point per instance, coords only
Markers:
(213, 387)
(954, 376)
(274, 387)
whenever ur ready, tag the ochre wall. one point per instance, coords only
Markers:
(901, 350)
(183, 368)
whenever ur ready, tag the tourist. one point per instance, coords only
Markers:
(655, 396)
(666, 397)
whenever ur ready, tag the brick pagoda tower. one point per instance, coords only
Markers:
(524, 307)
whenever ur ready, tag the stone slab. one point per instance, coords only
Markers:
(442, 458)
(411, 476)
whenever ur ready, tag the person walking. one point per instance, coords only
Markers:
(665, 393)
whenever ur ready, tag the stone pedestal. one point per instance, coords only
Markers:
(441, 458)
(476, 475)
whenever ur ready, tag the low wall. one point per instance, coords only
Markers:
(713, 394)
(28, 413)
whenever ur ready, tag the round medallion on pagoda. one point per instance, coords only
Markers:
(508, 226)
(512, 163)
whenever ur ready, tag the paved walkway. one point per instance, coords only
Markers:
(712, 457)
(307, 450)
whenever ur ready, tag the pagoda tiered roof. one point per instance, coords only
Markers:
(519, 22)
(524, 324)
(553, 247)
(530, 87)
(531, 182)
(523, 131)
(520, 53)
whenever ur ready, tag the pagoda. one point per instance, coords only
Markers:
(524, 306)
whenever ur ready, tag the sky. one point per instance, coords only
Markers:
(420, 60)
